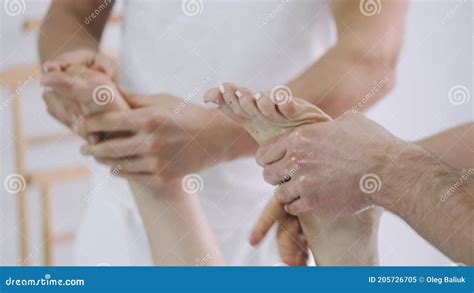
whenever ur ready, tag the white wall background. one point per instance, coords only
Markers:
(436, 57)
(19, 48)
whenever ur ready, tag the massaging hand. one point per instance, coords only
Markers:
(337, 165)
(292, 244)
(61, 74)
(165, 144)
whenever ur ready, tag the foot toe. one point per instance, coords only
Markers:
(300, 109)
(231, 98)
(268, 108)
(248, 102)
(213, 95)
(288, 110)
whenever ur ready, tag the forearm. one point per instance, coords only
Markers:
(64, 28)
(434, 199)
(360, 69)
(176, 227)
(454, 146)
(341, 80)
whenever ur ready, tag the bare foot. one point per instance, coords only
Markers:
(90, 91)
(348, 240)
(259, 115)
(94, 91)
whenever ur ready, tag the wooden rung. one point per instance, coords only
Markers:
(46, 219)
(60, 175)
(19, 76)
(30, 25)
(37, 140)
(64, 238)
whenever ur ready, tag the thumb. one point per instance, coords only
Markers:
(61, 62)
(133, 100)
(106, 64)
(270, 215)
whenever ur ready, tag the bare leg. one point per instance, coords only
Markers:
(176, 227)
(349, 240)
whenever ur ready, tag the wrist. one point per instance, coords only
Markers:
(413, 181)
(169, 192)
(398, 169)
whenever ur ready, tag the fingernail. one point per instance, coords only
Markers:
(238, 94)
(49, 67)
(93, 139)
(222, 89)
(213, 102)
(258, 96)
(286, 209)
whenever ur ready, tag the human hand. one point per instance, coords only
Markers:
(92, 90)
(165, 144)
(291, 241)
(89, 90)
(60, 105)
(88, 58)
(334, 166)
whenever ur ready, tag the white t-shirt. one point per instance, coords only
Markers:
(184, 48)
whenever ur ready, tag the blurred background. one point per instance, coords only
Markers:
(41, 210)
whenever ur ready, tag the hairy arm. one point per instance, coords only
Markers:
(454, 147)
(64, 28)
(435, 197)
(360, 69)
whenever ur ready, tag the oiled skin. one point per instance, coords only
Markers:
(342, 240)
